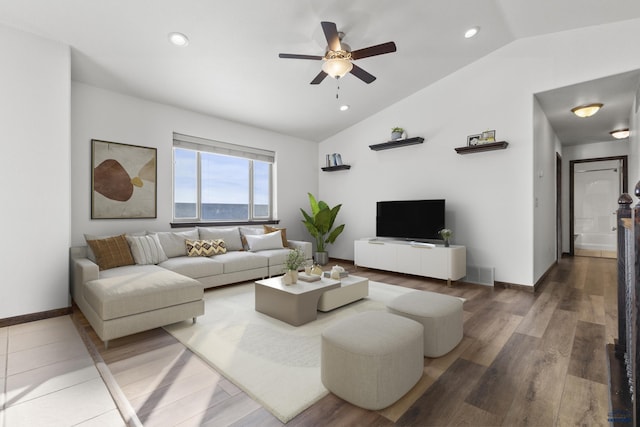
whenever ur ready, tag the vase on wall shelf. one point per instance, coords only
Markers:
(446, 243)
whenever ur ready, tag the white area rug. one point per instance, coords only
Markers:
(275, 363)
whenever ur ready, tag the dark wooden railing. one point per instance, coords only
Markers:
(623, 356)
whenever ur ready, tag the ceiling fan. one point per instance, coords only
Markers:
(338, 57)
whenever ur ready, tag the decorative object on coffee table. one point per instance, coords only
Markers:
(295, 259)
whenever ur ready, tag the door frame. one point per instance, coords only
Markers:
(571, 184)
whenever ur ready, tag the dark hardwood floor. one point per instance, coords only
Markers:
(526, 359)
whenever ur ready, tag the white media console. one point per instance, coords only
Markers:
(447, 263)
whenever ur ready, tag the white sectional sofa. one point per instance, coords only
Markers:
(140, 281)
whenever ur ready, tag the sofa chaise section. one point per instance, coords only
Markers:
(130, 299)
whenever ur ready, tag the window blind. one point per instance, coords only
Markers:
(201, 144)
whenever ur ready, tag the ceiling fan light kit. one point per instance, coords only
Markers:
(586, 110)
(337, 67)
(339, 56)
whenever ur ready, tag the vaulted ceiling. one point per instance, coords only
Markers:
(231, 68)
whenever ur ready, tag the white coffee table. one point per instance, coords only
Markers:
(294, 304)
(352, 288)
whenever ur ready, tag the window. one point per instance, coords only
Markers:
(215, 181)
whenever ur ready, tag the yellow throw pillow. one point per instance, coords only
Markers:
(283, 232)
(111, 252)
(205, 247)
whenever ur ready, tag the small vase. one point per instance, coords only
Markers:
(290, 277)
(396, 135)
(446, 243)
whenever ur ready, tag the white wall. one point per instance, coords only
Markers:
(109, 116)
(34, 171)
(545, 143)
(490, 196)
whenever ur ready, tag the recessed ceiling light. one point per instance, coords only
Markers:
(620, 133)
(471, 32)
(344, 107)
(586, 110)
(178, 39)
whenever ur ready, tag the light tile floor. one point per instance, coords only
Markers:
(48, 378)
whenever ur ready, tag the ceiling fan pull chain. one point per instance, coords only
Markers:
(338, 87)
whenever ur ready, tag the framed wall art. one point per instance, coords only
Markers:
(123, 181)
(473, 140)
(488, 136)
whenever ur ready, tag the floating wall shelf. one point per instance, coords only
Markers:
(336, 168)
(482, 147)
(397, 143)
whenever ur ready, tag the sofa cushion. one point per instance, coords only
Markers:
(194, 267)
(205, 247)
(87, 237)
(240, 261)
(230, 235)
(283, 231)
(140, 288)
(249, 231)
(174, 243)
(265, 241)
(146, 249)
(275, 256)
(111, 252)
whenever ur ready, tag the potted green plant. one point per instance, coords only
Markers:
(446, 234)
(396, 133)
(319, 223)
(293, 262)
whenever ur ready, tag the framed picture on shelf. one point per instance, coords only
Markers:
(473, 139)
(488, 136)
(123, 181)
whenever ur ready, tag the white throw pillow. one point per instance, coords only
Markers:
(264, 241)
(249, 231)
(231, 236)
(146, 249)
(174, 243)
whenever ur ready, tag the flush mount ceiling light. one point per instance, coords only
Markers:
(344, 107)
(586, 110)
(471, 32)
(620, 133)
(178, 39)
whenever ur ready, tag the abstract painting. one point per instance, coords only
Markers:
(123, 181)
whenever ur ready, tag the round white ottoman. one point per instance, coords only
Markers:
(372, 359)
(440, 315)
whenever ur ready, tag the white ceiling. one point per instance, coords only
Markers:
(231, 67)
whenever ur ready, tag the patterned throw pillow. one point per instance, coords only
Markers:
(111, 252)
(205, 247)
(269, 229)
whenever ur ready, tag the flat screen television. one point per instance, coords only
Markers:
(419, 220)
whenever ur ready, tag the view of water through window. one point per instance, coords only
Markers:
(225, 187)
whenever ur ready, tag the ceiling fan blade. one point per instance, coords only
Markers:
(379, 49)
(319, 78)
(296, 56)
(331, 33)
(362, 74)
